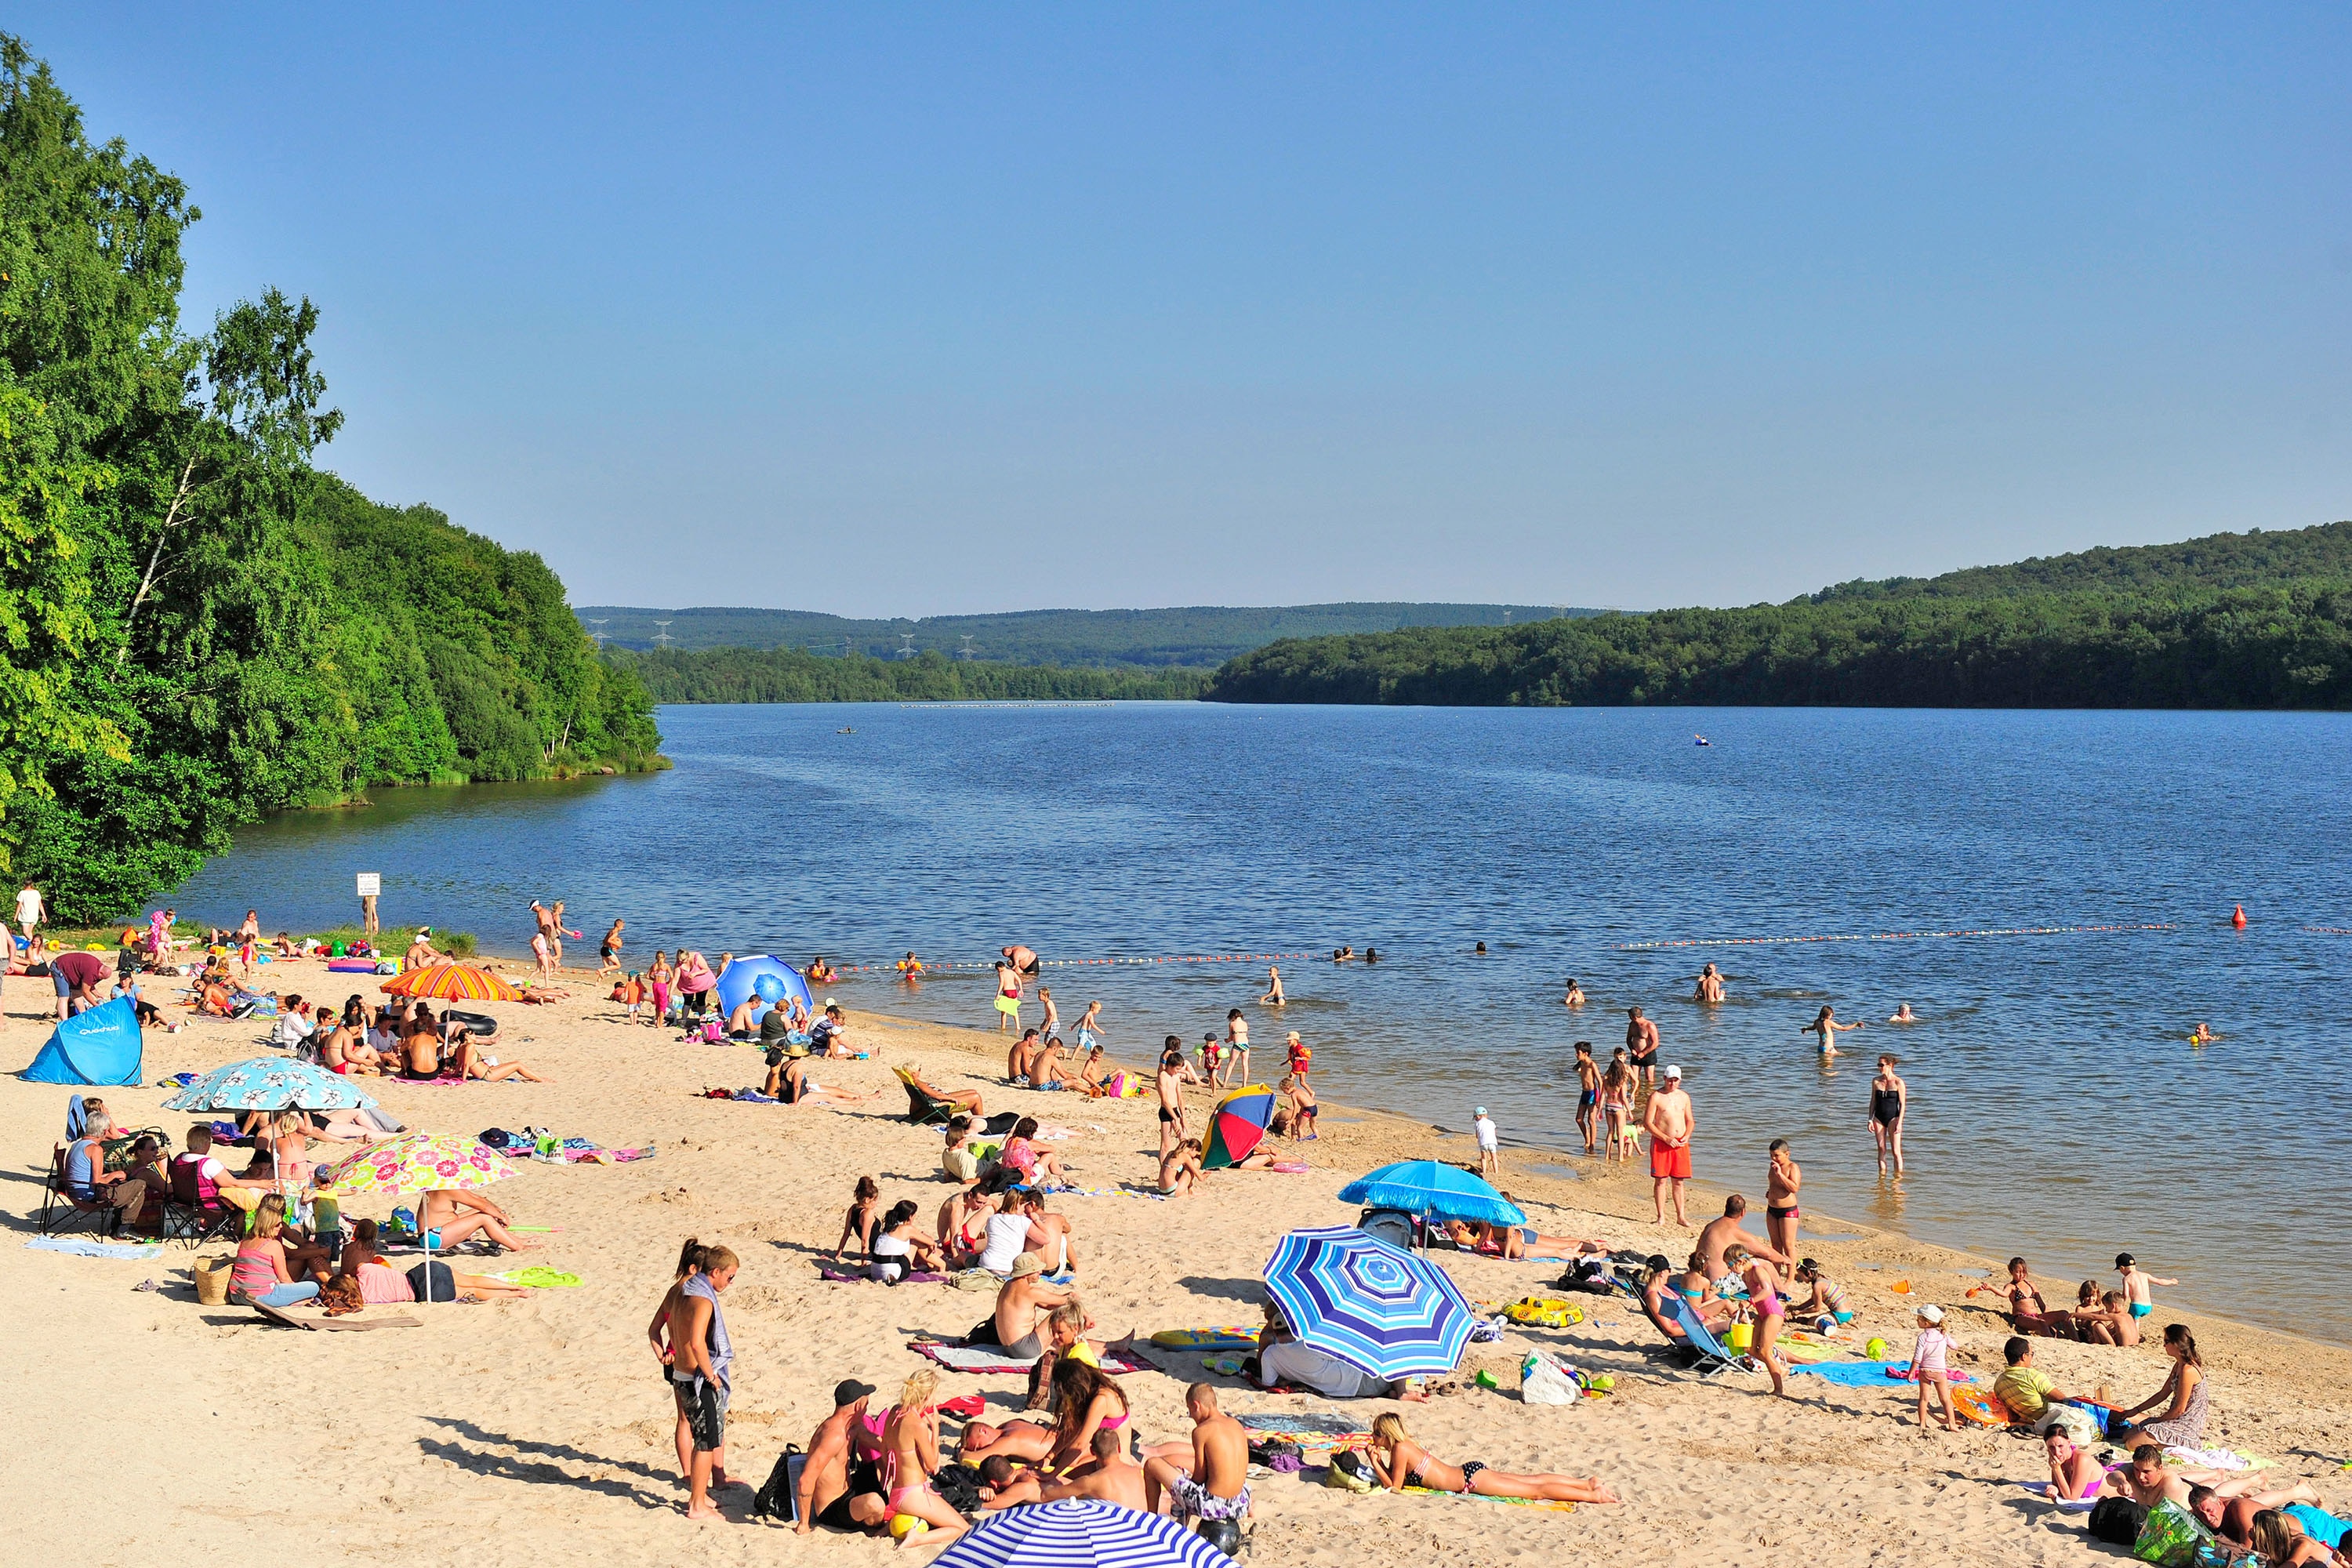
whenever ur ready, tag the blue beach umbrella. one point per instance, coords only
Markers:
(1427, 1187)
(1378, 1306)
(270, 1083)
(743, 976)
(1079, 1533)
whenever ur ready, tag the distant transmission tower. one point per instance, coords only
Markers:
(967, 651)
(598, 638)
(905, 644)
(662, 637)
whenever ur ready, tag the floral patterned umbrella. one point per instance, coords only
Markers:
(270, 1083)
(416, 1163)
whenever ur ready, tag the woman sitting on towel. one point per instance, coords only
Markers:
(1400, 1462)
(895, 1246)
(1085, 1399)
(269, 1261)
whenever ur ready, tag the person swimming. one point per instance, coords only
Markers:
(1903, 1015)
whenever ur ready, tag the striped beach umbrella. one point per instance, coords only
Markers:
(1079, 1533)
(452, 983)
(270, 1083)
(1236, 1127)
(1392, 1312)
(1424, 1188)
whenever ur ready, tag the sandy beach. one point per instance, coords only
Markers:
(152, 1428)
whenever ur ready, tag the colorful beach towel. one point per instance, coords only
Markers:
(1226, 1337)
(539, 1277)
(845, 1274)
(1851, 1374)
(1481, 1497)
(977, 1359)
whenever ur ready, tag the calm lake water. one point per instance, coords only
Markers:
(2057, 1110)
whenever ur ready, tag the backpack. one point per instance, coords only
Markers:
(780, 1496)
(2117, 1520)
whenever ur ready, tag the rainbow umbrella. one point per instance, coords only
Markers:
(1237, 1126)
(416, 1163)
(452, 983)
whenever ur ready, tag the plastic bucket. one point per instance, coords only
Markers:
(212, 1280)
(1739, 1338)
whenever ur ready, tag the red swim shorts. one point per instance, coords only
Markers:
(1665, 1162)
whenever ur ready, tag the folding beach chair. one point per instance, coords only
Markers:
(923, 1108)
(188, 1217)
(61, 1211)
(1714, 1360)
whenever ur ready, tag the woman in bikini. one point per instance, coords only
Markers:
(1086, 1400)
(2027, 1309)
(1400, 1462)
(911, 1455)
(857, 1224)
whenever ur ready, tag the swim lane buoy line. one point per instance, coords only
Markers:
(1891, 936)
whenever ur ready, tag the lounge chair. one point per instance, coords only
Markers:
(61, 1211)
(1714, 1360)
(187, 1218)
(925, 1109)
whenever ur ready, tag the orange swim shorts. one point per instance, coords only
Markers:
(1673, 1161)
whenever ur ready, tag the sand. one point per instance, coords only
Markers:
(150, 1428)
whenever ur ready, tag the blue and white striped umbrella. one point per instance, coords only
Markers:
(1079, 1533)
(270, 1083)
(1373, 1305)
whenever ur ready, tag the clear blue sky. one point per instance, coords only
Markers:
(912, 310)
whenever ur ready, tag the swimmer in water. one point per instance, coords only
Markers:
(2204, 1035)
(1903, 1015)
(1710, 987)
(1575, 998)
(1827, 1026)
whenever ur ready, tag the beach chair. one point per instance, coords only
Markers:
(61, 1211)
(1714, 1360)
(924, 1109)
(186, 1216)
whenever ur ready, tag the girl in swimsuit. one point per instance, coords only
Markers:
(911, 1455)
(1399, 1461)
(1888, 1099)
(857, 1224)
(1771, 1316)
(1085, 1400)
(895, 1246)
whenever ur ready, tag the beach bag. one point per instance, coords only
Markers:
(212, 1275)
(2170, 1537)
(780, 1496)
(1349, 1472)
(2117, 1520)
(1545, 1380)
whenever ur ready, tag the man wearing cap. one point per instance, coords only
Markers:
(1022, 1307)
(1669, 1120)
(835, 1488)
(829, 1038)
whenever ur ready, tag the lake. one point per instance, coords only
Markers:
(2057, 1109)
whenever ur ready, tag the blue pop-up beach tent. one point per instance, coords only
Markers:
(100, 1045)
(743, 976)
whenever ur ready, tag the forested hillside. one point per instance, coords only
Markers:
(2217, 561)
(787, 675)
(196, 625)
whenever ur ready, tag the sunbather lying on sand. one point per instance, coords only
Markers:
(1399, 1461)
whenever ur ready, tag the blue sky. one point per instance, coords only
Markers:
(911, 310)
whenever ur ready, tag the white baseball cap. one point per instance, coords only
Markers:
(1932, 1312)
(1674, 1072)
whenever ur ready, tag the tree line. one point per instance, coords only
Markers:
(789, 674)
(2280, 646)
(198, 627)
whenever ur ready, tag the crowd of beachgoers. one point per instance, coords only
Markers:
(1753, 1308)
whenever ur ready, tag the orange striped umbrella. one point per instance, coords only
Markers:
(453, 983)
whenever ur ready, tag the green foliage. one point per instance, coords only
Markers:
(196, 627)
(2217, 561)
(2274, 647)
(1198, 637)
(785, 675)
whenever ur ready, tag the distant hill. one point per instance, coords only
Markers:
(1200, 636)
(2253, 559)
(2247, 620)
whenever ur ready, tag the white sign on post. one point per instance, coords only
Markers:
(371, 884)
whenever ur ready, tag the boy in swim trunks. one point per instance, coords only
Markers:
(1588, 1096)
(2137, 1294)
(1173, 1070)
(1214, 1484)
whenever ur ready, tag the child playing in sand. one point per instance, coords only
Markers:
(1826, 1306)
(1928, 1366)
(1301, 1105)
(2137, 1294)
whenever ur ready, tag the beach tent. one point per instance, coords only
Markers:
(100, 1045)
(744, 974)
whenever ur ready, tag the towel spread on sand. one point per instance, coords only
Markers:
(1481, 1497)
(1851, 1373)
(539, 1277)
(992, 1358)
(132, 1252)
(1298, 1427)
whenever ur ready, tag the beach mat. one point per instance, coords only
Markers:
(76, 1246)
(1481, 1497)
(1866, 1373)
(1305, 1428)
(841, 1274)
(991, 1358)
(1224, 1337)
(318, 1319)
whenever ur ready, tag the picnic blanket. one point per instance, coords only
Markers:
(992, 1358)
(75, 1246)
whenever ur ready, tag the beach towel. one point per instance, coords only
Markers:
(977, 1359)
(538, 1277)
(1851, 1374)
(1226, 1337)
(1481, 1497)
(129, 1252)
(854, 1274)
(1305, 1428)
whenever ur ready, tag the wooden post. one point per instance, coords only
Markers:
(367, 914)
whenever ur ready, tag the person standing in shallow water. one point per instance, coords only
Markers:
(1889, 1097)
(1642, 1045)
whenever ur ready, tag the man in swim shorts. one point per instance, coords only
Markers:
(1588, 1096)
(1642, 1043)
(1214, 1483)
(1669, 1120)
(1022, 1307)
(837, 1489)
(1171, 1083)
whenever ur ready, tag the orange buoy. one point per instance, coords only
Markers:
(2239, 919)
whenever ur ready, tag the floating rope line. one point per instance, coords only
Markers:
(2331, 930)
(946, 965)
(1890, 936)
